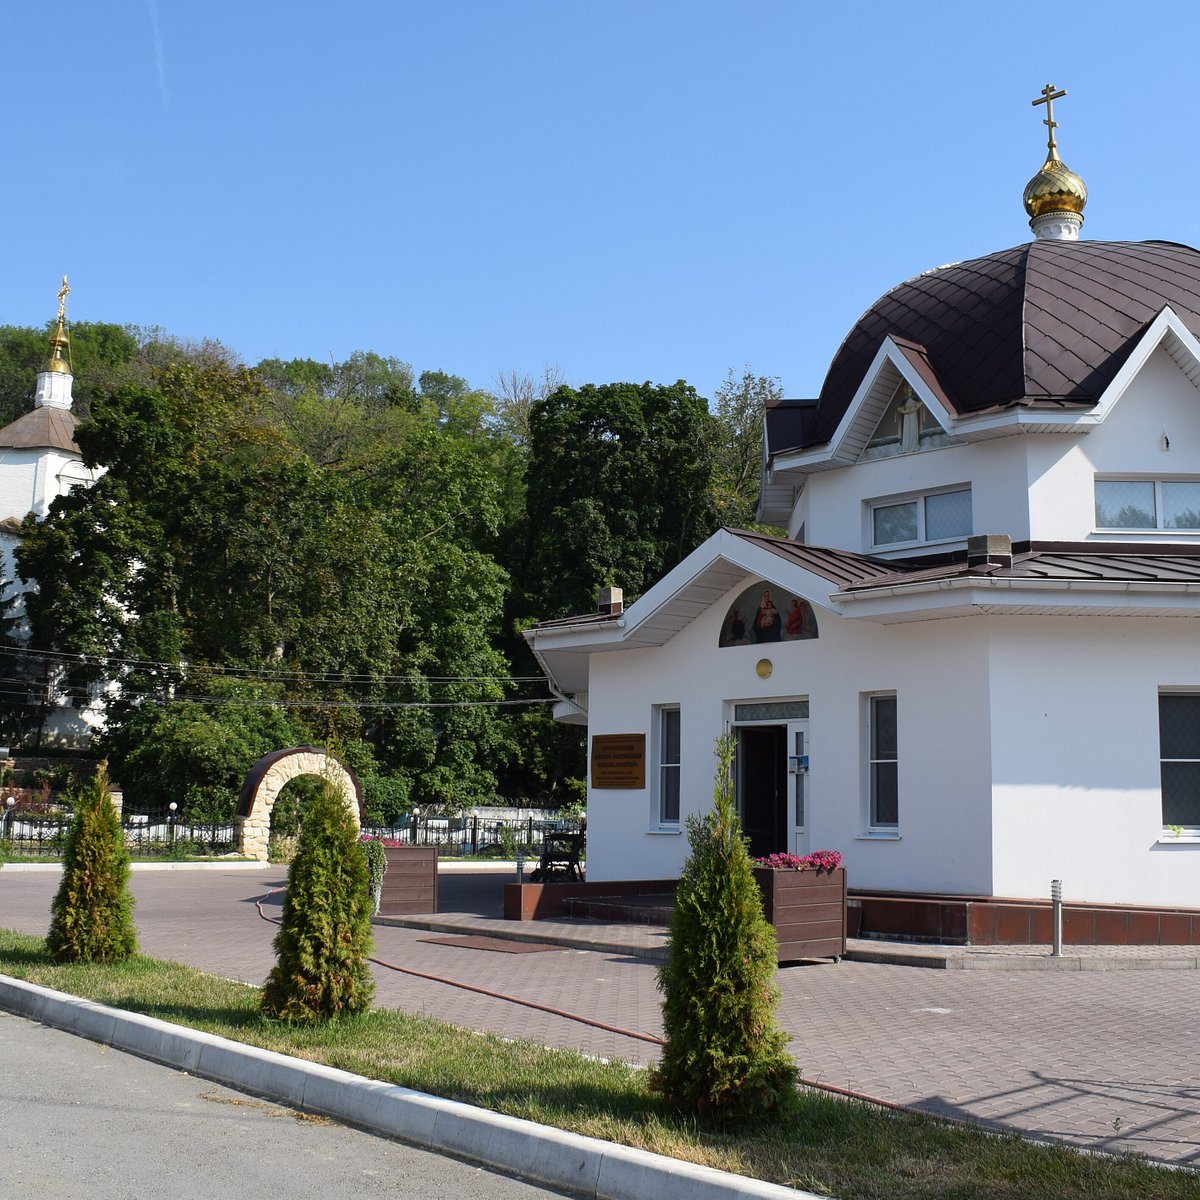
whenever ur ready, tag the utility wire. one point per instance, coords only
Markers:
(262, 674)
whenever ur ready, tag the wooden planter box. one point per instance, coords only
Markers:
(410, 881)
(808, 911)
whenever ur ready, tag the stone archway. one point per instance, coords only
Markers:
(266, 779)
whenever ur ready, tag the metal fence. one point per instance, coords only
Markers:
(477, 834)
(43, 836)
(27, 835)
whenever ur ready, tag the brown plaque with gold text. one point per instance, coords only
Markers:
(619, 760)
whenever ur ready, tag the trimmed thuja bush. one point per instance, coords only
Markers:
(724, 1052)
(92, 914)
(321, 968)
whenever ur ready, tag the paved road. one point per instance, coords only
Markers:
(1107, 1060)
(83, 1120)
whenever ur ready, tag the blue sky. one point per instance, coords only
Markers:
(633, 189)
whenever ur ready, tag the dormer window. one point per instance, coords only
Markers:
(918, 520)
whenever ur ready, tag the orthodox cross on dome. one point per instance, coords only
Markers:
(1049, 95)
(59, 360)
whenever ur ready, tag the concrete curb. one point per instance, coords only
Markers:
(539, 1153)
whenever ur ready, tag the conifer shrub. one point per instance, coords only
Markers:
(321, 969)
(92, 915)
(725, 1054)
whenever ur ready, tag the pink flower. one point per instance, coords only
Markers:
(819, 861)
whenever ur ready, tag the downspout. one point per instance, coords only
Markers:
(555, 690)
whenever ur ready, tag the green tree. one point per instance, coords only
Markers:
(724, 1052)
(337, 413)
(363, 592)
(104, 357)
(619, 489)
(738, 445)
(196, 753)
(92, 913)
(321, 969)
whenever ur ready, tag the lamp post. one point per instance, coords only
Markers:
(9, 804)
(416, 821)
(172, 807)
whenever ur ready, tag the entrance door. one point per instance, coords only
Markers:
(772, 786)
(762, 787)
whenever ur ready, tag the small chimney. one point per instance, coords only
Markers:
(989, 550)
(612, 601)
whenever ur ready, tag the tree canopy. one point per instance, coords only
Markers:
(346, 552)
(619, 490)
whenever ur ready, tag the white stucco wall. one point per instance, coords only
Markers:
(938, 677)
(30, 480)
(835, 509)
(1129, 442)
(1075, 725)
(1028, 750)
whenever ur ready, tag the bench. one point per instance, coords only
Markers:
(560, 857)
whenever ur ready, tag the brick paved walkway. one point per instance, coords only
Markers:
(1104, 1059)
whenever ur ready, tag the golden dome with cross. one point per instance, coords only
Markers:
(1055, 188)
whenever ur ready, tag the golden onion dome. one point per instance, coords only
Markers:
(1055, 189)
(60, 352)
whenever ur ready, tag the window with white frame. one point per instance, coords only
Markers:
(882, 764)
(666, 774)
(917, 519)
(1179, 755)
(1148, 504)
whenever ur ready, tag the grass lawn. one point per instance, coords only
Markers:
(838, 1147)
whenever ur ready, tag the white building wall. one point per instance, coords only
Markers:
(1129, 442)
(30, 480)
(1075, 726)
(940, 681)
(835, 508)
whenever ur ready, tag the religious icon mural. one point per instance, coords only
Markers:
(763, 614)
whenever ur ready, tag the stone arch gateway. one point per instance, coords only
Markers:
(266, 779)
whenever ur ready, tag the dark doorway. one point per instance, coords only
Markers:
(762, 786)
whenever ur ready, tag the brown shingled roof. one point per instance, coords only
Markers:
(1045, 322)
(43, 428)
(838, 566)
(1079, 561)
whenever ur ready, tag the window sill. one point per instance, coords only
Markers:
(1186, 839)
(668, 830)
(878, 835)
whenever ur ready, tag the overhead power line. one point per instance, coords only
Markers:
(262, 674)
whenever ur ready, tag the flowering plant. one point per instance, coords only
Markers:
(818, 860)
(376, 863)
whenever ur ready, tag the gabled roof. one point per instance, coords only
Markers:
(1100, 579)
(1047, 323)
(43, 428)
(728, 558)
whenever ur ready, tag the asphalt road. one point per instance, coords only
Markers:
(81, 1120)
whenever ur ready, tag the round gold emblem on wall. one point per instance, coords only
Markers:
(763, 668)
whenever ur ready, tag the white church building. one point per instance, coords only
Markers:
(39, 461)
(973, 663)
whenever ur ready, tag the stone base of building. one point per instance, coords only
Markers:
(997, 921)
(898, 917)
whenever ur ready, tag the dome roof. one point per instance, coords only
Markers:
(1045, 323)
